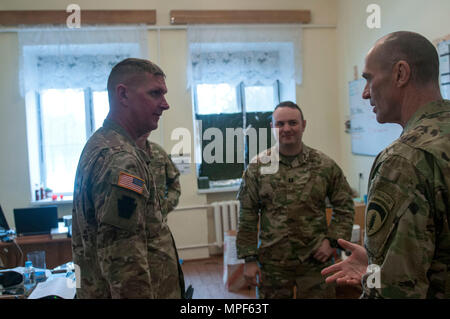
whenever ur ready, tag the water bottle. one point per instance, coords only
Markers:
(28, 275)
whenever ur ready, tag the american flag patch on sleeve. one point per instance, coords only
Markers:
(131, 182)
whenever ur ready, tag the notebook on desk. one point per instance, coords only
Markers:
(36, 220)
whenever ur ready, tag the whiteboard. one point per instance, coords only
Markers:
(368, 136)
(444, 68)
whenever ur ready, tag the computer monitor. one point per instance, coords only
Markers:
(36, 220)
(3, 221)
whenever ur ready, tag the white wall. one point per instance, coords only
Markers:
(317, 96)
(329, 55)
(354, 39)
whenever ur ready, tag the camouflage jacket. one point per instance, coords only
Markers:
(291, 204)
(119, 240)
(407, 229)
(167, 177)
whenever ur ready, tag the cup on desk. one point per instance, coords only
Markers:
(356, 234)
(37, 258)
(67, 220)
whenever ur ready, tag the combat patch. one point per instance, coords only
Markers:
(126, 206)
(131, 182)
(377, 212)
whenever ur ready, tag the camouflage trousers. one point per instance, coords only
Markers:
(165, 270)
(305, 280)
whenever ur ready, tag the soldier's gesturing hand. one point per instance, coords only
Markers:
(324, 252)
(251, 270)
(351, 270)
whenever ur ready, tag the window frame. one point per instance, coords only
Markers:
(195, 95)
(241, 104)
(89, 127)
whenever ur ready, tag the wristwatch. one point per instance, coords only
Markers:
(250, 259)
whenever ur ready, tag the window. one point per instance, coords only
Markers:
(230, 110)
(261, 98)
(63, 80)
(216, 98)
(100, 108)
(67, 119)
(238, 74)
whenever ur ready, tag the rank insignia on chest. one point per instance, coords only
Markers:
(131, 182)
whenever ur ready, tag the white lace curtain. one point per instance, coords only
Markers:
(253, 54)
(76, 58)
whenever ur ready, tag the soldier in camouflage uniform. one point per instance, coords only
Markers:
(120, 242)
(289, 206)
(167, 175)
(407, 226)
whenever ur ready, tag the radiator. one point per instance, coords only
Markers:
(226, 217)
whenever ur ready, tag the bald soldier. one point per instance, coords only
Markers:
(407, 230)
(289, 205)
(120, 242)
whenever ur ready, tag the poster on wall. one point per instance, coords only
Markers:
(367, 135)
(183, 163)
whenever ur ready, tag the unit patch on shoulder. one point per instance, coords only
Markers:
(131, 182)
(377, 212)
(126, 206)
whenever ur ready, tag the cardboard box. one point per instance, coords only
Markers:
(233, 268)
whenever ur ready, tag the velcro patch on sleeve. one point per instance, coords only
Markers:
(126, 206)
(377, 212)
(131, 182)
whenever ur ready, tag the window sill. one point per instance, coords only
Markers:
(49, 202)
(227, 189)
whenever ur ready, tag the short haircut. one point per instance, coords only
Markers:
(416, 50)
(291, 105)
(129, 68)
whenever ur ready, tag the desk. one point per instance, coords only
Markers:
(57, 251)
(60, 283)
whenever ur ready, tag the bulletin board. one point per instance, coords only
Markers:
(367, 135)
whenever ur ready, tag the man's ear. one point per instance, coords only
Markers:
(122, 94)
(402, 73)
